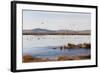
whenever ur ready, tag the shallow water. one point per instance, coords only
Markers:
(30, 41)
(42, 46)
(53, 53)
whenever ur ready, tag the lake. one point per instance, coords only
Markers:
(41, 46)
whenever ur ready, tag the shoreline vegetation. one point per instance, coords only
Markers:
(56, 34)
(29, 58)
(74, 46)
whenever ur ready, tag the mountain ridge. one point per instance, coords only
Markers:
(47, 31)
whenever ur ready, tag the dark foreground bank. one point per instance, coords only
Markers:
(28, 58)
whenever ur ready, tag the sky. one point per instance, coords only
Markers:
(56, 20)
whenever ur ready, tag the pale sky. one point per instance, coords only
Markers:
(56, 20)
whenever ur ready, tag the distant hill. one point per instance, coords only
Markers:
(39, 31)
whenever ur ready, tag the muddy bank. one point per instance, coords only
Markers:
(28, 58)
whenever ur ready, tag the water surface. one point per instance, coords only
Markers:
(42, 46)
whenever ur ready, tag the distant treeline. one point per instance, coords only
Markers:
(56, 33)
(39, 31)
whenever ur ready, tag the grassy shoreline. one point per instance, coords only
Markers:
(28, 58)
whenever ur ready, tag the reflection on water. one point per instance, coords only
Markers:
(53, 53)
(30, 41)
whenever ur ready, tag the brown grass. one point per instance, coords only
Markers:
(28, 58)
